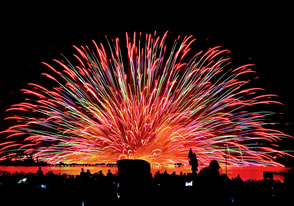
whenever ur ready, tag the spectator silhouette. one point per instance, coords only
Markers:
(88, 173)
(82, 173)
(193, 161)
(109, 174)
(40, 172)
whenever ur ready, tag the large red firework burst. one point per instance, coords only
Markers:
(149, 100)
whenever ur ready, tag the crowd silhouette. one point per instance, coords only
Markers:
(135, 185)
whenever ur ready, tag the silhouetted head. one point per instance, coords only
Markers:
(214, 164)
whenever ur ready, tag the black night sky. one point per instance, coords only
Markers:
(260, 35)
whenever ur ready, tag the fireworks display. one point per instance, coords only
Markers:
(147, 100)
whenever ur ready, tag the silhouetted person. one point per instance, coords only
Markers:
(82, 173)
(109, 174)
(193, 161)
(40, 172)
(88, 173)
(40, 175)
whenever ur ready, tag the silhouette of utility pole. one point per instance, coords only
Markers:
(226, 148)
(193, 161)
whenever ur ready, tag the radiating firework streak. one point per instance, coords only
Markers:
(155, 103)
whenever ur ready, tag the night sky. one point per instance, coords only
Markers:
(262, 36)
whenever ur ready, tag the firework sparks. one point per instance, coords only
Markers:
(153, 102)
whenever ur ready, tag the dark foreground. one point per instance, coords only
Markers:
(136, 189)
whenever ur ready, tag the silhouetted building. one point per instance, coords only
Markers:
(135, 180)
(268, 175)
(210, 187)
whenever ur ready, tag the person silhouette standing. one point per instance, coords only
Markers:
(193, 161)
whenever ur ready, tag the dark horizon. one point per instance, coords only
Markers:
(134, 182)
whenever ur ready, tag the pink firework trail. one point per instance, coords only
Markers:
(150, 100)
